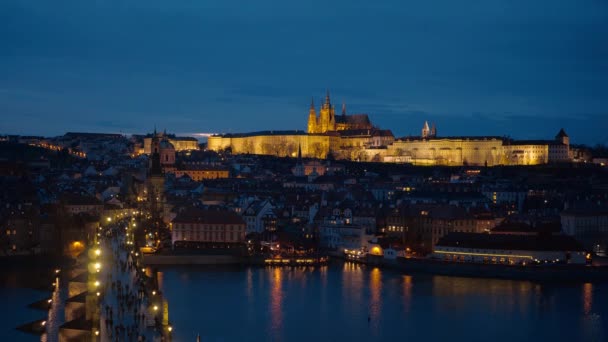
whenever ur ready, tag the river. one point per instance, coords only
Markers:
(351, 302)
(348, 302)
(20, 286)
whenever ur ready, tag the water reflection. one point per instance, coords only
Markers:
(352, 286)
(276, 301)
(593, 325)
(587, 298)
(500, 295)
(323, 309)
(407, 293)
(271, 304)
(249, 276)
(375, 300)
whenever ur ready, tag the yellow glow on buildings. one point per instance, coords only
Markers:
(353, 137)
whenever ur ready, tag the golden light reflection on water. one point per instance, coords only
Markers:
(587, 298)
(352, 285)
(276, 299)
(375, 299)
(407, 292)
(504, 295)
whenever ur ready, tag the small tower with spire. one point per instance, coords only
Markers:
(426, 131)
(299, 170)
(562, 137)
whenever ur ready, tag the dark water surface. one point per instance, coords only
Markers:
(348, 302)
(18, 288)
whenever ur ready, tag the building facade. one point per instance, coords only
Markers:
(509, 249)
(222, 228)
(589, 226)
(178, 143)
(354, 137)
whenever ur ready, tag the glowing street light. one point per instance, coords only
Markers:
(98, 252)
(109, 219)
(96, 283)
(155, 308)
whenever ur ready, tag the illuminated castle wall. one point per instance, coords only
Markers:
(353, 137)
(278, 143)
(447, 151)
(179, 143)
(345, 136)
(478, 150)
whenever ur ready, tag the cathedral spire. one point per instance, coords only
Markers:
(343, 109)
(312, 118)
(327, 102)
(426, 130)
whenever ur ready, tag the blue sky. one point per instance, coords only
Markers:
(518, 68)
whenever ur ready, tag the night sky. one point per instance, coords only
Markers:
(515, 67)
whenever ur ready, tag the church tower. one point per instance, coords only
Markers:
(426, 131)
(312, 118)
(327, 116)
(299, 170)
(562, 137)
(156, 180)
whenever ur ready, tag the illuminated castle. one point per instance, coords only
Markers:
(353, 137)
(344, 136)
(327, 121)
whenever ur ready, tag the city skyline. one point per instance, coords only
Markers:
(518, 69)
(340, 170)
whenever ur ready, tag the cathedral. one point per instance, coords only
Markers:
(344, 136)
(327, 121)
(353, 137)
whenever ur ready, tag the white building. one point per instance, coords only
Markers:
(256, 214)
(589, 226)
(340, 236)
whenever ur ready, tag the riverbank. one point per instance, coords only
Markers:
(192, 259)
(557, 273)
(223, 259)
(561, 273)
